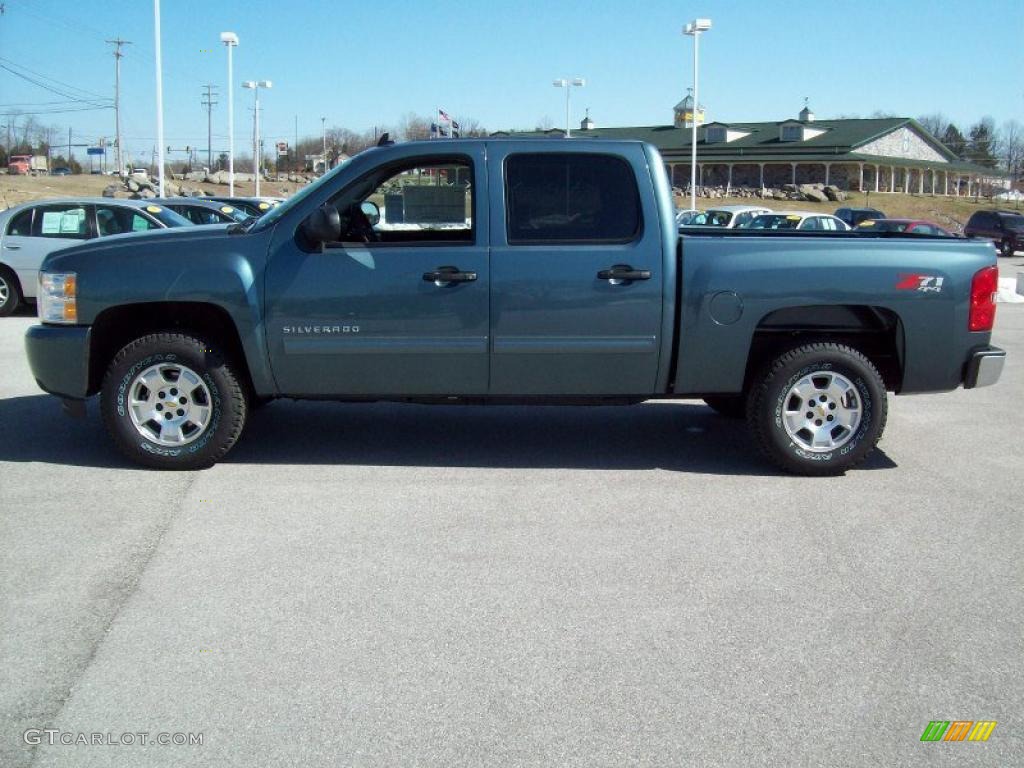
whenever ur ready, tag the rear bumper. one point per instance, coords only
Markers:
(59, 358)
(984, 368)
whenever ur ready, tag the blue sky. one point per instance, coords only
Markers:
(365, 63)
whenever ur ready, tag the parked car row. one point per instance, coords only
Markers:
(31, 231)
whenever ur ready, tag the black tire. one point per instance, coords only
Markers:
(10, 292)
(227, 401)
(768, 400)
(730, 406)
(1006, 248)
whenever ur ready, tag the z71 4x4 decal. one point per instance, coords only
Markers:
(924, 283)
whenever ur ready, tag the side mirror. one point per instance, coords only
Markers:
(323, 225)
(371, 211)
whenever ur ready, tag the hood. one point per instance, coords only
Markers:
(177, 238)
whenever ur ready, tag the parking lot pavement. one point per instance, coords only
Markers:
(405, 585)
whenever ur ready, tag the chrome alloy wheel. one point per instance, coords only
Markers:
(5, 291)
(822, 411)
(169, 404)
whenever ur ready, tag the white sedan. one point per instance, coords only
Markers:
(802, 220)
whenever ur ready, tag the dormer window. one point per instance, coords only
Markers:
(792, 133)
(721, 132)
(716, 133)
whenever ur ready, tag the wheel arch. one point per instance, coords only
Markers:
(116, 326)
(876, 332)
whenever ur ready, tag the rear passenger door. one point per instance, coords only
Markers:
(54, 226)
(576, 272)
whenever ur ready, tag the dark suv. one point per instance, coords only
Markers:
(854, 216)
(1004, 228)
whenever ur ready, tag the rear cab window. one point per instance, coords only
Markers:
(582, 198)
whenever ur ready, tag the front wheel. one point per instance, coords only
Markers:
(171, 401)
(818, 409)
(1006, 248)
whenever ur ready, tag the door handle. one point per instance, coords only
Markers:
(622, 273)
(11, 247)
(447, 275)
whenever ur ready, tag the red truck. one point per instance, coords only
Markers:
(23, 165)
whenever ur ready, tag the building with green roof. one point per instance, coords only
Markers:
(892, 154)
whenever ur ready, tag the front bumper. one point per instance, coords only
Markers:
(984, 367)
(59, 358)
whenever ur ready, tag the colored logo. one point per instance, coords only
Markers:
(958, 730)
(923, 283)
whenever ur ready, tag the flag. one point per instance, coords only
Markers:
(455, 126)
(443, 115)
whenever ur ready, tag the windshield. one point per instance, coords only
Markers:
(883, 225)
(718, 218)
(271, 216)
(167, 217)
(775, 221)
(1014, 221)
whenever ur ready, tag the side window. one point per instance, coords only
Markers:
(811, 222)
(743, 219)
(140, 223)
(421, 202)
(62, 221)
(115, 220)
(570, 198)
(21, 225)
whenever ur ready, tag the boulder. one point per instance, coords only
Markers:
(133, 185)
(811, 193)
(834, 193)
(111, 190)
(195, 176)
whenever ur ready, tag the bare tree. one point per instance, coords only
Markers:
(935, 123)
(414, 127)
(471, 127)
(1010, 147)
(544, 124)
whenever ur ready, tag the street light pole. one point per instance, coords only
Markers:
(257, 159)
(230, 40)
(323, 128)
(577, 82)
(694, 28)
(159, 97)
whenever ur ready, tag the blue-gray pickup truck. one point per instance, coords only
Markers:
(496, 271)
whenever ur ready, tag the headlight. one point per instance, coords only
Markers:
(58, 292)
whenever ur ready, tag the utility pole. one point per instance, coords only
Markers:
(69, 146)
(209, 104)
(117, 43)
(296, 145)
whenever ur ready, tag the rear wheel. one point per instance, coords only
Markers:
(10, 292)
(818, 409)
(1006, 248)
(172, 401)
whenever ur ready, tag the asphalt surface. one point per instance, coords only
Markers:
(380, 585)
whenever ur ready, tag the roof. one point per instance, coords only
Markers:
(738, 208)
(838, 142)
(126, 201)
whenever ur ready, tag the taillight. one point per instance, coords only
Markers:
(983, 299)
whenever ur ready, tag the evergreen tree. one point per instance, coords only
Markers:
(955, 141)
(981, 144)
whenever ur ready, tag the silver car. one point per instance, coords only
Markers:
(31, 231)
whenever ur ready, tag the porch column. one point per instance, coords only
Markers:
(945, 183)
(761, 166)
(892, 178)
(860, 184)
(920, 181)
(906, 181)
(878, 171)
(700, 175)
(828, 166)
(728, 183)
(794, 173)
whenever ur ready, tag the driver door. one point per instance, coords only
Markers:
(381, 311)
